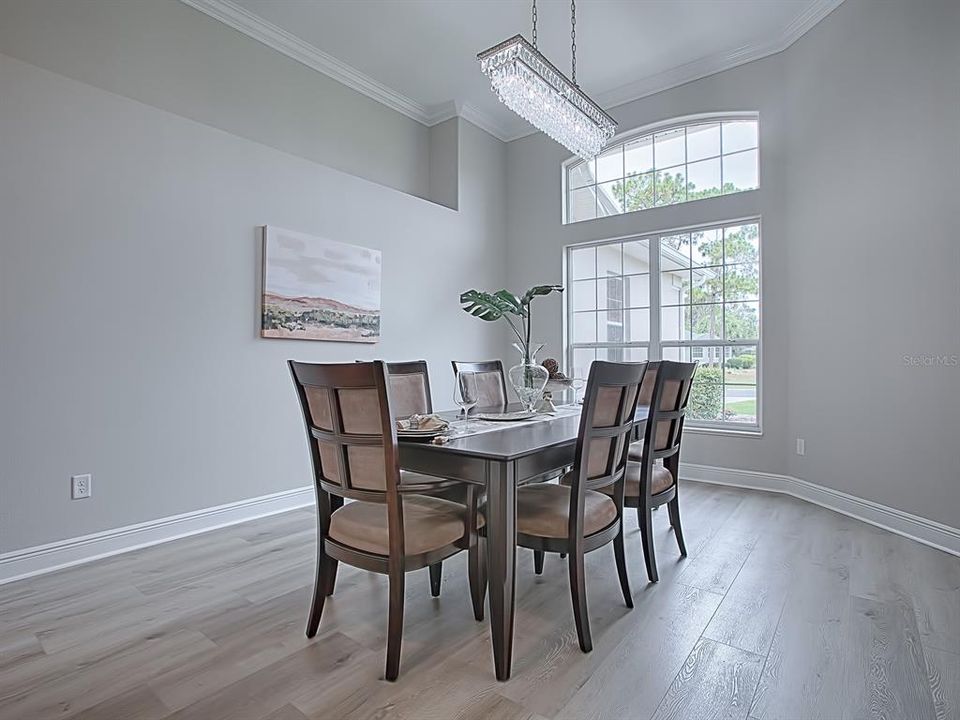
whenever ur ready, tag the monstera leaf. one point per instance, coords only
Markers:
(486, 306)
(503, 304)
(537, 290)
(516, 304)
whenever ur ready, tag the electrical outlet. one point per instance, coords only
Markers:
(801, 446)
(81, 486)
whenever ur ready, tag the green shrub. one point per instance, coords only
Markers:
(706, 396)
(741, 362)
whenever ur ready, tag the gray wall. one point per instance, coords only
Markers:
(861, 265)
(874, 254)
(129, 264)
(167, 54)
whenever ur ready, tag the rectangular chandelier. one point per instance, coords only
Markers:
(529, 84)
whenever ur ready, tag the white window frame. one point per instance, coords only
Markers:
(660, 127)
(655, 345)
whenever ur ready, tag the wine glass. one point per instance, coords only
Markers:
(465, 392)
(577, 382)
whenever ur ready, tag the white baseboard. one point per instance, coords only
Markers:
(28, 562)
(928, 532)
(40, 559)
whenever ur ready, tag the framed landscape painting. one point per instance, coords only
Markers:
(319, 289)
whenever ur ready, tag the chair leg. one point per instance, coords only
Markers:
(538, 562)
(622, 568)
(478, 577)
(331, 583)
(436, 571)
(323, 583)
(674, 508)
(578, 593)
(646, 534)
(395, 625)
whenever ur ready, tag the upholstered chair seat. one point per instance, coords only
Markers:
(662, 479)
(429, 523)
(543, 510)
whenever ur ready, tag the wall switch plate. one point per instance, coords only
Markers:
(801, 446)
(81, 486)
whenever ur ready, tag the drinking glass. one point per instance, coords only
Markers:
(577, 381)
(465, 393)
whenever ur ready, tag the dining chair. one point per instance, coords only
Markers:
(649, 483)
(410, 395)
(491, 381)
(575, 517)
(389, 527)
(492, 391)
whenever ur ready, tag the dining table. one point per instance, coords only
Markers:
(501, 456)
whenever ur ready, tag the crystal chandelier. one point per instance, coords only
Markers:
(529, 84)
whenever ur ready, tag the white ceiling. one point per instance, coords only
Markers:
(419, 56)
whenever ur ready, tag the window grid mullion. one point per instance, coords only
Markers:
(655, 330)
(723, 310)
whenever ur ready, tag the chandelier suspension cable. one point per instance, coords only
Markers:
(534, 24)
(529, 84)
(573, 41)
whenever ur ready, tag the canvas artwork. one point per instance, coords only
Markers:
(319, 289)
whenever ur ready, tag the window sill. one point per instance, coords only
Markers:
(724, 431)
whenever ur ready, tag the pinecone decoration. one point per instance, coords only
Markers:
(552, 366)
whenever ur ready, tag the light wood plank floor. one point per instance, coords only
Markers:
(782, 610)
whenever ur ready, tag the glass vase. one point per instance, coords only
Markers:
(529, 378)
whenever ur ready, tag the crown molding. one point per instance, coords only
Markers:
(273, 36)
(254, 26)
(445, 111)
(287, 43)
(482, 120)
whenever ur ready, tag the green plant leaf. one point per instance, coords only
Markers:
(484, 305)
(512, 300)
(537, 290)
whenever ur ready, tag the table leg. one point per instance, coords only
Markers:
(501, 525)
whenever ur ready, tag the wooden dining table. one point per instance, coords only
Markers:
(501, 460)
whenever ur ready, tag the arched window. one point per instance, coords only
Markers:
(674, 162)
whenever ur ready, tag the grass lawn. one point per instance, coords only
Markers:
(741, 377)
(743, 407)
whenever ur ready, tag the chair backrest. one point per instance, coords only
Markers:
(649, 380)
(409, 388)
(668, 407)
(491, 381)
(606, 422)
(350, 428)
